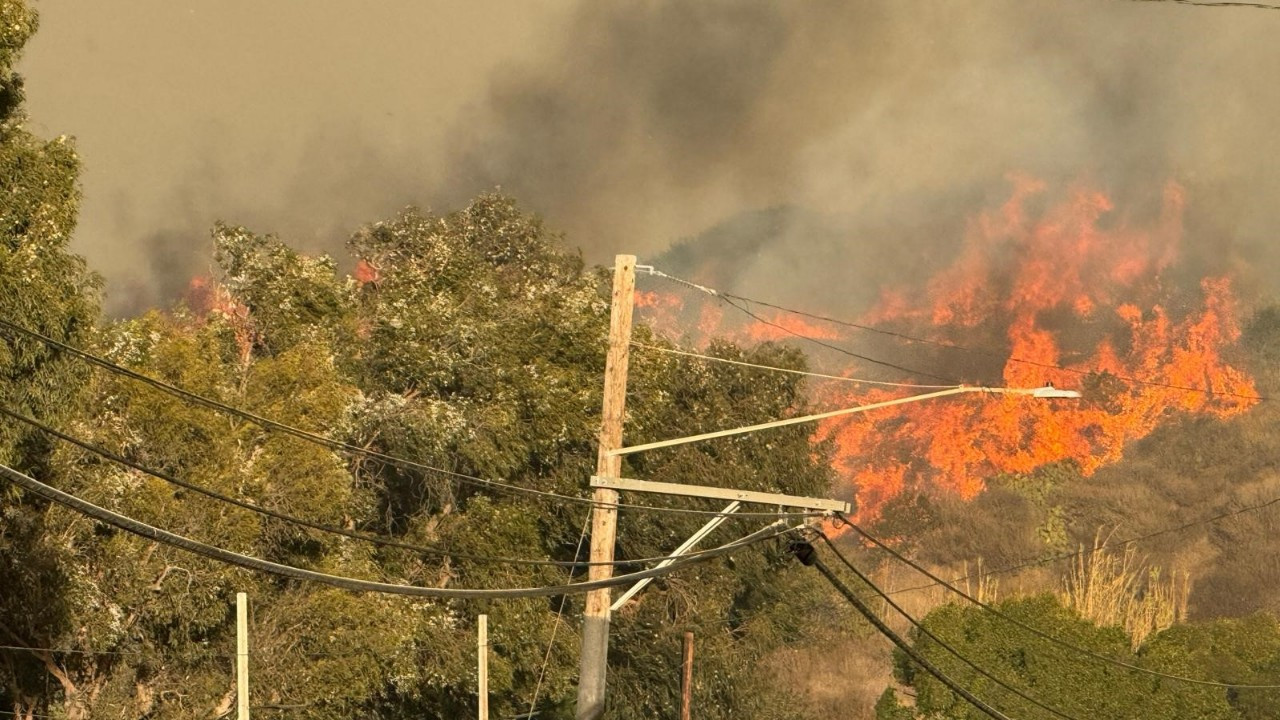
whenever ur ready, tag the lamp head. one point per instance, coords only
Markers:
(1049, 392)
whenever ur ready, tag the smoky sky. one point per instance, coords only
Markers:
(826, 147)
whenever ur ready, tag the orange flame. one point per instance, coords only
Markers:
(1014, 272)
(785, 327)
(1069, 296)
(366, 272)
(206, 297)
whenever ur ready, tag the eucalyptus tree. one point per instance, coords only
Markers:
(45, 287)
(470, 343)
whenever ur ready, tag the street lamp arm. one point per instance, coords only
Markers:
(1046, 392)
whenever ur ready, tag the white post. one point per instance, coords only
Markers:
(242, 656)
(482, 657)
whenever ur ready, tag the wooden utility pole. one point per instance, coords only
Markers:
(686, 678)
(242, 656)
(482, 658)
(604, 515)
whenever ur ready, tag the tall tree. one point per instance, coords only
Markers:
(470, 342)
(45, 287)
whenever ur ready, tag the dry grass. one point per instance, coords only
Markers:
(845, 676)
(842, 679)
(980, 584)
(1119, 589)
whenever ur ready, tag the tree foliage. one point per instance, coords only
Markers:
(470, 342)
(1224, 651)
(46, 288)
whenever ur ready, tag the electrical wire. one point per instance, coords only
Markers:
(88, 652)
(774, 368)
(1204, 3)
(546, 659)
(730, 297)
(809, 557)
(729, 300)
(218, 554)
(140, 653)
(1105, 546)
(264, 422)
(822, 343)
(434, 549)
(920, 627)
(11, 713)
(1040, 633)
(347, 448)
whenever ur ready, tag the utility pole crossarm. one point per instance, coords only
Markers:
(718, 493)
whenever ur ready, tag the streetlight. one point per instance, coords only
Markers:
(607, 482)
(1048, 392)
(1044, 393)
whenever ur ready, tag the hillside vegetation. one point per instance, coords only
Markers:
(471, 344)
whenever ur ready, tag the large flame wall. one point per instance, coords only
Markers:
(1062, 293)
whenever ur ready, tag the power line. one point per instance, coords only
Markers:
(920, 627)
(806, 554)
(255, 564)
(729, 297)
(1107, 545)
(821, 343)
(434, 549)
(89, 652)
(546, 659)
(10, 713)
(161, 653)
(1203, 3)
(343, 447)
(264, 422)
(729, 300)
(774, 368)
(1040, 633)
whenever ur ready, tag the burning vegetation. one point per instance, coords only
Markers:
(1068, 293)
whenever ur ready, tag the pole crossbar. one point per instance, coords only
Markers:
(718, 493)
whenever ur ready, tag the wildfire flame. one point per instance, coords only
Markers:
(1069, 297)
(206, 298)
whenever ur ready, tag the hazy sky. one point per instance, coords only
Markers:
(632, 124)
(297, 116)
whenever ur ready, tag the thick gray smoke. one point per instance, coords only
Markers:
(890, 121)
(877, 126)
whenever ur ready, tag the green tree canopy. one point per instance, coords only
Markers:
(1071, 681)
(470, 342)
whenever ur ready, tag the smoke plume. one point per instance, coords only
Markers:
(878, 127)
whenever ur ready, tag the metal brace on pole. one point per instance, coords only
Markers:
(685, 547)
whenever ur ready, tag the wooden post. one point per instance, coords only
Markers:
(686, 678)
(242, 656)
(482, 657)
(604, 516)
